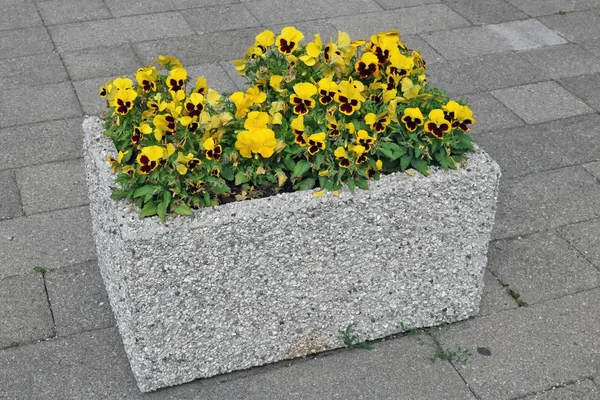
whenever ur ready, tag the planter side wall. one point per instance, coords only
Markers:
(254, 282)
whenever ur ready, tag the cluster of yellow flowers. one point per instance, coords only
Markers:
(321, 115)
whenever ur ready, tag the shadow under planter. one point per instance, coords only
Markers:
(253, 282)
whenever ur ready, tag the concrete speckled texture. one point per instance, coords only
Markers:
(253, 282)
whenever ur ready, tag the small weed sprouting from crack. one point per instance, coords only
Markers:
(459, 356)
(42, 270)
(515, 295)
(352, 340)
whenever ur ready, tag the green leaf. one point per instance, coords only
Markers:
(319, 159)
(305, 184)
(148, 210)
(120, 195)
(145, 191)
(183, 209)
(443, 159)
(387, 152)
(289, 163)
(240, 178)
(227, 173)
(351, 185)
(362, 183)
(300, 169)
(161, 210)
(404, 162)
(421, 166)
(221, 188)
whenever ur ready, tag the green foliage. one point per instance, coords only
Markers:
(352, 340)
(42, 270)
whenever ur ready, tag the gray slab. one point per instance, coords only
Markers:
(534, 148)
(466, 42)
(82, 35)
(42, 142)
(564, 61)
(101, 62)
(527, 34)
(401, 365)
(216, 77)
(532, 348)
(537, 8)
(191, 50)
(52, 186)
(64, 11)
(19, 16)
(230, 45)
(480, 74)
(591, 45)
(25, 41)
(38, 103)
(572, 390)
(10, 201)
(239, 80)
(121, 8)
(541, 267)
(54, 239)
(540, 102)
(408, 21)
(31, 71)
(88, 93)
(24, 310)
(494, 298)
(490, 115)
(537, 202)
(392, 4)
(594, 169)
(574, 26)
(586, 87)
(415, 42)
(585, 237)
(486, 12)
(78, 299)
(333, 8)
(220, 18)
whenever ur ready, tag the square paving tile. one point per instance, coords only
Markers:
(541, 267)
(564, 60)
(537, 8)
(527, 34)
(24, 310)
(220, 18)
(530, 349)
(18, 16)
(574, 26)
(24, 42)
(585, 237)
(495, 298)
(586, 87)
(53, 186)
(78, 298)
(540, 102)
(101, 62)
(486, 12)
(466, 42)
(10, 201)
(31, 71)
(64, 11)
(546, 200)
(490, 115)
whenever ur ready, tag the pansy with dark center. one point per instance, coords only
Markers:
(147, 165)
(367, 65)
(316, 142)
(437, 124)
(194, 187)
(412, 118)
(176, 79)
(194, 104)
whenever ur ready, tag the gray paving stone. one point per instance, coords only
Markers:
(540, 102)
(586, 87)
(585, 237)
(527, 34)
(494, 298)
(481, 74)
(18, 16)
(220, 18)
(490, 115)
(24, 310)
(52, 186)
(532, 349)
(594, 169)
(54, 239)
(541, 267)
(38, 103)
(191, 50)
(309, 29)
(466, 42)
(229, 45)
(333, 8)
(537, 8)
(564, 61)
(392, 4)
(534, 148)
(415, 42)
(125, 8)
(25, 41)
(537, 202)
(78, 299)
(31, 71)
(10, 202)
(573, 390)
(592, 46)
(401, 365)
(82, 35)
(40, 143)
(486, 11)
(574, 26)
(408, 21)
(101, 62)
(88, 93)
(215, 75)
(238, 80)
(64, 11)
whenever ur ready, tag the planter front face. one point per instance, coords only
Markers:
(254, 282)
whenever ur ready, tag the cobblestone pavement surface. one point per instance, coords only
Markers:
(530, 70)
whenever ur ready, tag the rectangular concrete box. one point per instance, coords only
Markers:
(253, 282)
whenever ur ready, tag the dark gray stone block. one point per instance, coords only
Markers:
(10, 201)
(564, 60)
(78, 299)
(41, 142)
(24, 310)
(393, 4)
(66, 11)
(487, 11)
(572, 390)
(586, 87)
(31, 71)
(538, 8)
(101, 62)
(574, 26)
(220, 18)
(18, 16)
(490, 115)
(585, 237)
(25, 41)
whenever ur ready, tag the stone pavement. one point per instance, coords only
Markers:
(530, 70)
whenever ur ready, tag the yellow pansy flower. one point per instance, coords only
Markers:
(148, 158)
(123, 102)
(266, 38)
(194, 105)
(302, 99)
(288, 40)
(367, 65)
(316, 142)
(313, 50)
(412, 118)
(327, 90)
(169, 62)
(437, 124)
(378, 123)
(212, 150)
(364, 140)
(176, 79)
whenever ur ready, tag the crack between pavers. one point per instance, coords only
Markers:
(550, 229)
(50, 307)
(580, 252)
(569, 383)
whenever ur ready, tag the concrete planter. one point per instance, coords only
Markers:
(254, 282)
